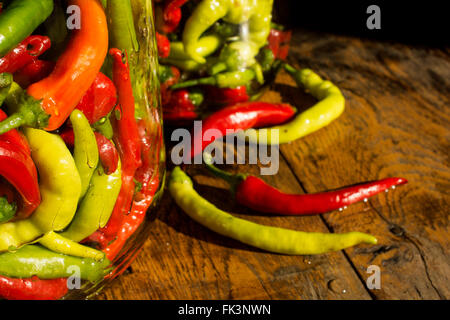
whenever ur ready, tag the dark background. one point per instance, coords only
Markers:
(413, 22)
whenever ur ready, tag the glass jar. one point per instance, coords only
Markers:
(104, 229)
(215, 53)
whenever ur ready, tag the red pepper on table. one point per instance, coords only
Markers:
(182, 107)
(33, 72)
(32, 288)
(26, 52)
(17, 167)
(126, 138)
(227, 96)
(99, 99)
(279, 42)
(163, 44)
(255, 194)
(108, 154)
(241, 116)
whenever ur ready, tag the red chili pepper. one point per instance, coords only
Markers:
(109, 157)
(17, 167)
(182, 107)
(33, 72)
(108, 154)
(99, 99)
(126, 137)
(163, 45)
(255, 194)
(227, 96)
(241, 116)
(279, 42)
(27, 51)
(32, 288)
(171, 15)
(132, 221)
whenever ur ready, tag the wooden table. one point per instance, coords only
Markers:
(396, 123)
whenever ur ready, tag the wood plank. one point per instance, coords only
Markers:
(395, 124)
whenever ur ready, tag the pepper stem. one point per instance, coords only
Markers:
(24, 111)
(12, 122)
(232, 179)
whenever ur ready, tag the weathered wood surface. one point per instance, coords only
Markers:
(396, 123)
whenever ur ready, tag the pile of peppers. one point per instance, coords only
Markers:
(215, 57)
(77, 161)
(215, 53)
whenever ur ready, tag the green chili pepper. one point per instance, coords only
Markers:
(121, 26)
(256, 14)
(60, 187)
(97, 205)
(230, 79)
(330, 106)
(268, 238)
(34, 260)
(20, 19)
(85, 150)
(60, 244)
(205, 47)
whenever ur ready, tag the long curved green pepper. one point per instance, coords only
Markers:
(330, 106)
(268, 238)
(97, 205)
(35, 260)
(85, 150)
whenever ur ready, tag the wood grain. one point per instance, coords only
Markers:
(396, 123)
